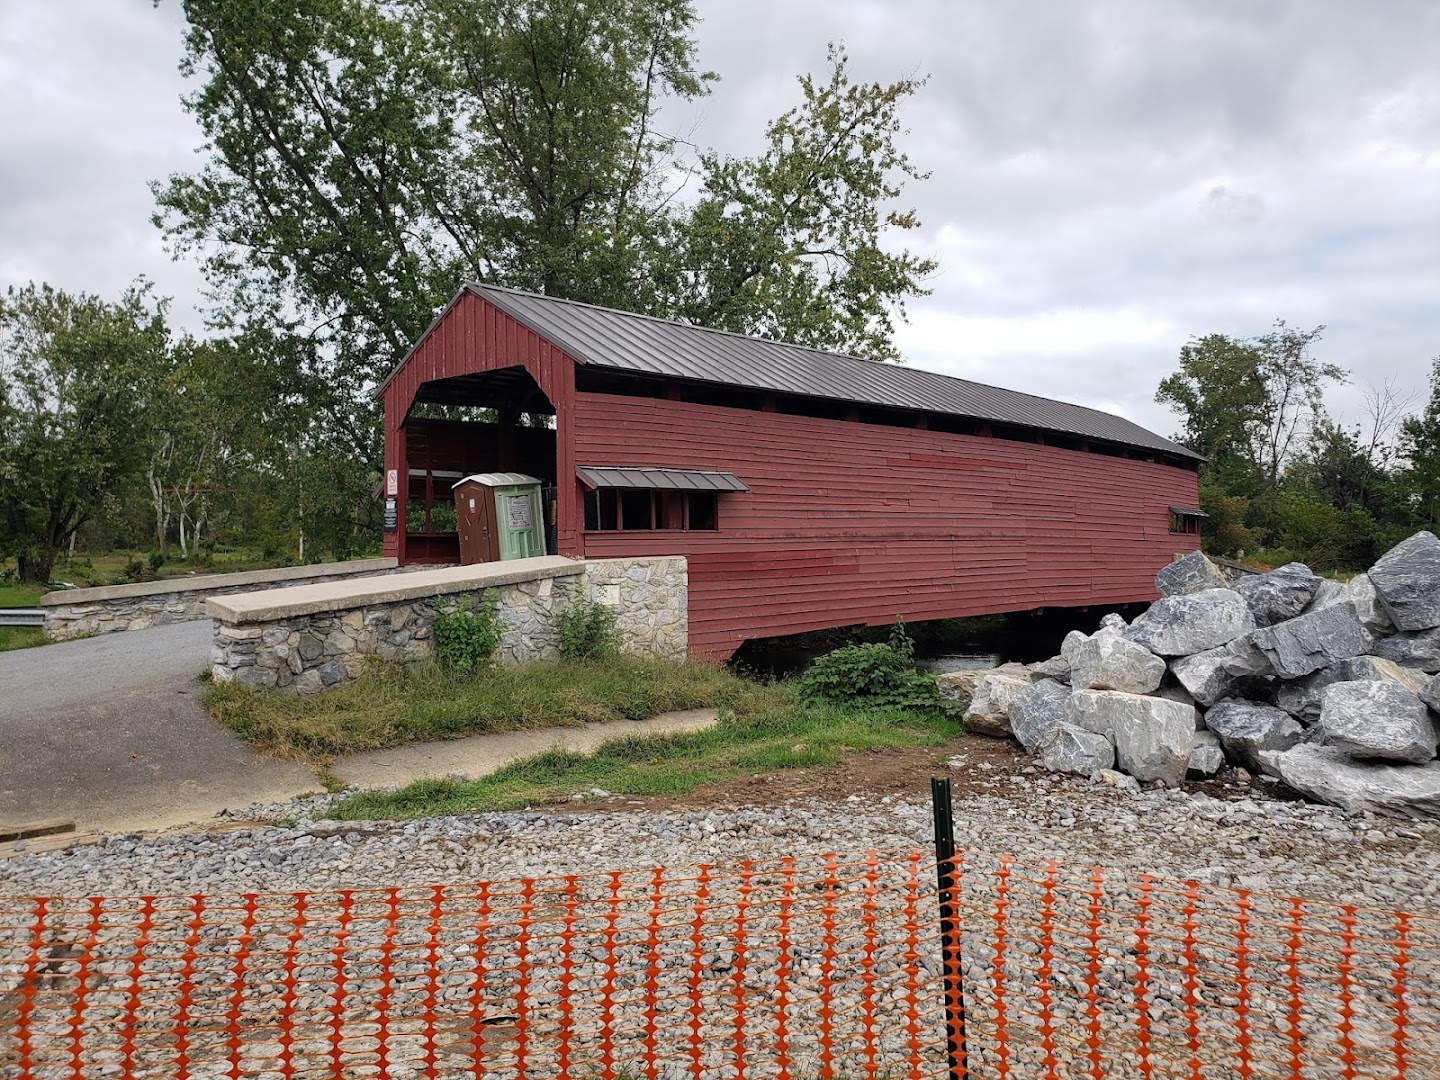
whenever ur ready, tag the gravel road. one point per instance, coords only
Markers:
(1247, 842)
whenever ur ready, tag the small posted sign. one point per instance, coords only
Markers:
(392, 513)
(517, 509)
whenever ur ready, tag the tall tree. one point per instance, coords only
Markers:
(366, 156)
(1420, 448)
(790, 243)
(1249, 404)
(557, 102)
(77, 380)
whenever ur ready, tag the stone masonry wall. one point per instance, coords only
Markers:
(137, 607)
(306, 653)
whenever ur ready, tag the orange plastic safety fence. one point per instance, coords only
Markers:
(1085, 972)
(819, 967)
(814, 967)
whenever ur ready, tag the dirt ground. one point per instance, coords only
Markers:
(973, 764)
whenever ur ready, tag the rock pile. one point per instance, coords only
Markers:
(1331, 689)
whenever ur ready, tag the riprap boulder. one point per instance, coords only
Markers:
(1192, 623)
(1407, 579)
(1190, 573)
(1377, 719)
(1313, 641)
(1246, 729)
(1280, 594)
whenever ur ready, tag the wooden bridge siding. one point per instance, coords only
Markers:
(858, 523)
(473, 336)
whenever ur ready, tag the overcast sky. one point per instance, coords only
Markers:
(1108, 178)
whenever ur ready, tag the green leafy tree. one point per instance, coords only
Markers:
(364, 157)
(555, 105)
(1222, 399)
(78, 379)
(790, 244)
(1420, 448)
(1249, 405)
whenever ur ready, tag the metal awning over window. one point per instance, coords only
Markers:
(638, 477)
(1188, 511)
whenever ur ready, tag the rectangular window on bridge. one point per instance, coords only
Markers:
(643, 499)
(1185, 520)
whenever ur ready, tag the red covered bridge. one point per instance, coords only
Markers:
(808, 490)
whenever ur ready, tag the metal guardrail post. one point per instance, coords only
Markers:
(950, 940)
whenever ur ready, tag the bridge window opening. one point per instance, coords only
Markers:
(631, 510)
(1185, 520)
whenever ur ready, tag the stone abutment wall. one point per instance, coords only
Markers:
(307, 650)
(72, 613)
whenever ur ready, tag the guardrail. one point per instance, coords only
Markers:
(22, 617)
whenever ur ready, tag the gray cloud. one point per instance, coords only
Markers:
(1110, 177)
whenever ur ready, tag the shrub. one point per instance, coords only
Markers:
(587, 632)
(157, 560)
(875, 675)
(466, 637)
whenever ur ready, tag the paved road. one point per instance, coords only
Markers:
(110, 732)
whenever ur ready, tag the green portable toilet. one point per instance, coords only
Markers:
(499, 516)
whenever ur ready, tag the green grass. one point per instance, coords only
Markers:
(21, 637)
(783, 736)
(388, 707)
(20, 595)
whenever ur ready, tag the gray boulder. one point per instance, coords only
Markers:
(1112, 620)
(1301, 697)
(1327, 774)
(1329, 592)
(1153, 737)
(1430, 693)
(1407, 579)
(1068, 748)
(1206, 756)
(1313, 641)
(1190, 573)
(1037, 711)
(1221, 672)
(1246, 729)
(989, 709)
(1192, 623)
(1413, 649)
(1073, 640)
(1173, 691)
(1057, 668)
(1111, 662)
(1367, 603)
(960, 685)
(1280, 594)
(1373, 718)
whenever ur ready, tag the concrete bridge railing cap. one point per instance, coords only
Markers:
(344, 595)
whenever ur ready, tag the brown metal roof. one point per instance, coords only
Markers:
(659, 479)
(623, 341)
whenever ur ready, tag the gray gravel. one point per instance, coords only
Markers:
(1245, 840)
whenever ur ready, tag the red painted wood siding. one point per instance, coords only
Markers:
(471, 336)
(858, 523)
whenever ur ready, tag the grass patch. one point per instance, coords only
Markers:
(23, 596)
(784, 736)
(21, 637)
(390, 707)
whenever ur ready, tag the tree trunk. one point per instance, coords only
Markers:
(35, 565)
